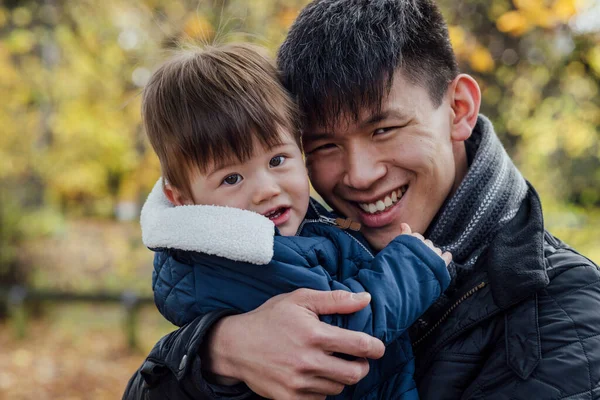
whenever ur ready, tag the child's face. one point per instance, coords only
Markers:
(273, 183)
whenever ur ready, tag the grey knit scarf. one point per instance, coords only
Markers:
(488, 197)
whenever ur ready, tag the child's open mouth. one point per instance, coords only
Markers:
(279, 215)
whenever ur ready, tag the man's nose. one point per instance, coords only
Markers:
(266, 188)
(362, 169)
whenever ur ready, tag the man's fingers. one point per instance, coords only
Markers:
(324, 386)
(357, 344)
(342, 371)
(334, 302)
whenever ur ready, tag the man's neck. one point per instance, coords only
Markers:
(461, 164)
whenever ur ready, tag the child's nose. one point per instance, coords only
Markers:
(266, 190)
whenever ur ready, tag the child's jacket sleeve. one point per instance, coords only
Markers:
(404, 279)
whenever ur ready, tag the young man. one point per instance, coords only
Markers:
(386, 108)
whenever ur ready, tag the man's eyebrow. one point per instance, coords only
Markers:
(383, 115)
(371, 120)
(317, 135)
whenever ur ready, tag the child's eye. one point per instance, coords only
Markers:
(232, 179)
(276, 161)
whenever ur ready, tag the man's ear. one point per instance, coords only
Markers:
(465, 100)
(174, 195)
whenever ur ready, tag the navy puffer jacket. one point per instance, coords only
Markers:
(404, 279)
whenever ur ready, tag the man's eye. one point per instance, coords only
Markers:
(276, 161)
(327, 146)
(381, 131)
(232, 179)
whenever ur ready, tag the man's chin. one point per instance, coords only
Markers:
(378, 238)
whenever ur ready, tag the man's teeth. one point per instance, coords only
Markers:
(386, 202)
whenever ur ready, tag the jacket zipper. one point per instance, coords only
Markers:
(330, 221)
(447, 313)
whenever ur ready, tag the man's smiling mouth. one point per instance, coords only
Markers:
(385, 202)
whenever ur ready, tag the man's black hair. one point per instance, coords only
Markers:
(340, 55)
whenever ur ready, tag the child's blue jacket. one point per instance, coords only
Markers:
(404, 278)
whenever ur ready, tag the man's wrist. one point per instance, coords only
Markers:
(216, 351)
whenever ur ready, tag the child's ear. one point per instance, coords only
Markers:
(174, 195)
(465, 100)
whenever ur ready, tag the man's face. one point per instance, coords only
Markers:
(397, 166)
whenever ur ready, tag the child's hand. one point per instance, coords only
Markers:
(446, 256)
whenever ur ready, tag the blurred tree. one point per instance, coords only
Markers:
(71, 72)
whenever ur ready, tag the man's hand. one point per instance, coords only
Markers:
(446, 256)
(281, 350)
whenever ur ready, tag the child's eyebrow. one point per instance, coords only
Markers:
(219, 165)
(228, 162)
(278, 145)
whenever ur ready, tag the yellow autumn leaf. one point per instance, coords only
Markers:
(3, 16)
(457, 37)
(481, 60)
(542, 17)
(21, 41)
(528, 4)
(287, 17)
(577, 138)
(198, 27)
(593, 58)
(513, 22)
(564, 9)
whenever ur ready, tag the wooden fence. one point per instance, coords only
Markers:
(17, 297)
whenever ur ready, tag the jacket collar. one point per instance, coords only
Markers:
(514, 260)
(238, 235)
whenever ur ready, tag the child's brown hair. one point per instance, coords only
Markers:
(205, 107)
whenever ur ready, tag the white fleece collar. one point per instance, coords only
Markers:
(238, 235)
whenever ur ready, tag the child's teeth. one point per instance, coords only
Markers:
(394, 197)
(274, 214)
(372, 208)
(380, 205)
(388, 201)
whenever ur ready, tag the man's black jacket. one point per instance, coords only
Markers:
(525, 326)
